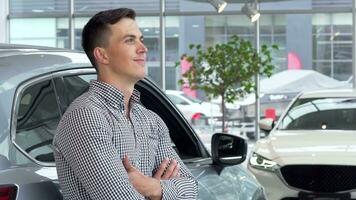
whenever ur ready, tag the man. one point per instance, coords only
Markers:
(107, 145)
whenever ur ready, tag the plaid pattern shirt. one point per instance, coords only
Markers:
(93, 137)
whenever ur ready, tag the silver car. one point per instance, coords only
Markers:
(36, 86)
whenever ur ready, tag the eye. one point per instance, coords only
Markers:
(130, 40)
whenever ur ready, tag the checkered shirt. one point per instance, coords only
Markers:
(93, 137)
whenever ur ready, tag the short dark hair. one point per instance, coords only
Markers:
(96, 31)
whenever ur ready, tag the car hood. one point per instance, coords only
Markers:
(309, 147)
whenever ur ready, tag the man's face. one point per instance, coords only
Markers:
(126, 51)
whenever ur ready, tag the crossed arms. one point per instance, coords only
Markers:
(94, 161)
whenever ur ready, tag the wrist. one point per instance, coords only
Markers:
(156, 190)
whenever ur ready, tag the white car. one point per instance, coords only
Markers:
(310, 152)
(193, 109)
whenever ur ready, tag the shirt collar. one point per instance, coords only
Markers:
(111, 94)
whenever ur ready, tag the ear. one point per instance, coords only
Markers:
(101, 56)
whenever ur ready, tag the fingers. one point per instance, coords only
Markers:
(127, 164)
(176, 171)
(161, 169)
(171, 171)
(167, 169)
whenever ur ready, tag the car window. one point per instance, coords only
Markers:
(37, 119)
(40, 109)
(182, 136)
(321, 113)
(70, 87)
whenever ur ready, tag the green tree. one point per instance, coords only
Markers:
(227, 69)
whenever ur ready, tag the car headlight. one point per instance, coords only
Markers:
(259, 162)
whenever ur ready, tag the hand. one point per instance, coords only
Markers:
(147, 186)
(167, 170)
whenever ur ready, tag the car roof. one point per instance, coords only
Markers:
(30, 61)
(329, 93)
(23, 46)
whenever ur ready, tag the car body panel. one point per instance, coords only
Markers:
(32, 182)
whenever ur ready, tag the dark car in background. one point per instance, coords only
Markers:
(37, 85)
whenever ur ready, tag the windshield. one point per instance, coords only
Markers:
(320, 114)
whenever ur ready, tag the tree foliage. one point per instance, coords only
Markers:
(227, 69)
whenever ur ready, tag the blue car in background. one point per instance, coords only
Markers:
(37, 84)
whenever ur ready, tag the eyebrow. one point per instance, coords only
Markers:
(132, 36)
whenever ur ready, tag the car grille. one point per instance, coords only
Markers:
(320, 178)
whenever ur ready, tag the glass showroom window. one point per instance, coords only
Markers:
(52, 32)
(272, 31)
(38, 6)
(332, 45)
(94, 6)
(220, 28)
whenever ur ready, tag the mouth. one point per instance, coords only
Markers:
(140, 61)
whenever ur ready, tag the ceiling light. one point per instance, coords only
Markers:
(249, 9)
(218, 4)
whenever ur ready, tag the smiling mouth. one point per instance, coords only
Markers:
(140, 61)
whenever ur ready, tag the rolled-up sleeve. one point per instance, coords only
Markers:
(183, 187)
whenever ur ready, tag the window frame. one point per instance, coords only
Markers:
(19, 93)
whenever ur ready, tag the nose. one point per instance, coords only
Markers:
(142, 48)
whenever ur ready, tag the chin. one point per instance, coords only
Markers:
(140, 77)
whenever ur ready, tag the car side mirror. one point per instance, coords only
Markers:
(266, 124)
(228, 149)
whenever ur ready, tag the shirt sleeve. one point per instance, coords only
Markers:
(85, 141)
(183, 187)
